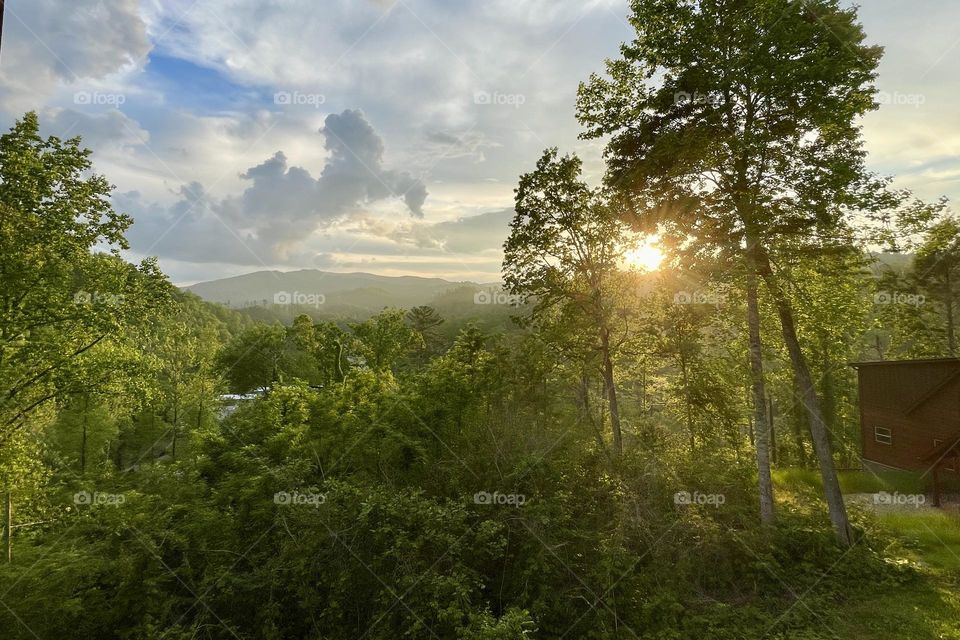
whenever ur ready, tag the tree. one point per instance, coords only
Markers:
(425, 320)
(734, 126)
(253, 360)
(563, 251)
(935, 269)
(385, 338)
(58, 299)
(184, 354)
(680, 336)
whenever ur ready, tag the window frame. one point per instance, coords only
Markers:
(882, 438)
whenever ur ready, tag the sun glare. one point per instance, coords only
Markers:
(647, 256)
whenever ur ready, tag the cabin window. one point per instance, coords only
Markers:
(937, 443)
(883, 435)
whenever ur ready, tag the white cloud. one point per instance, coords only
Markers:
(48, 43)
(109, 131)
(283, 205)
(415, 68)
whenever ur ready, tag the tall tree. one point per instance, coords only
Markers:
(58, 298)
(385, 338)
(733, 124)
(425, 321)
(564, 249)
(935, 269)
(254, 359)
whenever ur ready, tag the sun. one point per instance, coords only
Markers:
(646, 256)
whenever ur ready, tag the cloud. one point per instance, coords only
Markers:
(282, 206)
(110, 130)
(47, 43)
(194, 144)
(473, 234)
(355, 170)
(484, 232)
(417, 65)
(450, 145)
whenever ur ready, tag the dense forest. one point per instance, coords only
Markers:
(622, 453)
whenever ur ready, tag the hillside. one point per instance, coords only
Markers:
(272, 296)
(363, 290)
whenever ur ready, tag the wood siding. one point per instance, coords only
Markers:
(912, 400)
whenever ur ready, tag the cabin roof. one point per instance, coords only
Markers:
(870, 363)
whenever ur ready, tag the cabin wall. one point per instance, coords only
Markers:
(888, 391)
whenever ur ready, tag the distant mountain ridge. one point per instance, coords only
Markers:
(367, 291)
(885, 261)
(277, 296)
(331, 293)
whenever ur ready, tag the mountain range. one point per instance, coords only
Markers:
(320, 294)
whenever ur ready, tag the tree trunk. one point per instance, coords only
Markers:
(951, 334)
(176, 421)
(811, 403)
(83, 436)
(761, 427)
(686, 399)
(829, 391)
(796, 422)
(774, 455)
(583, 400)
(203, 391)
(643, 392)
(8, 524)
(611, 391)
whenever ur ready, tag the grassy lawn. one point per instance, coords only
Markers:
(854, 481)
(906, 612)
(928, 608)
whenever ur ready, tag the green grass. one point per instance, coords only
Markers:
(926, 608)
(928, 536)
(867, 482)
(925, 611)
(853, 481)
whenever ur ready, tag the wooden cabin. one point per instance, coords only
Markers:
(910, 415)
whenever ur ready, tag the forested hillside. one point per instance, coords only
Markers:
(347, 292)
(588, 450)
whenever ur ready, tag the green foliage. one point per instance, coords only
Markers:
(59, 302)
(404, 476)
(385, 338)
(262, 355)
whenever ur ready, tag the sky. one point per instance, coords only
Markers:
(383, 136)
